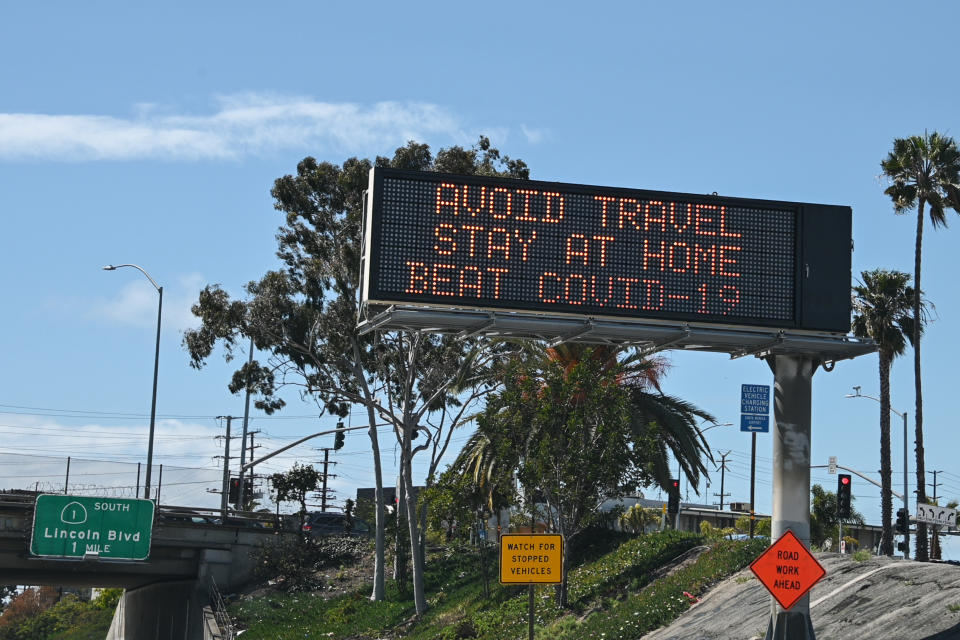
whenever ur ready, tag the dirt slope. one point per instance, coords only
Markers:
(879, 599)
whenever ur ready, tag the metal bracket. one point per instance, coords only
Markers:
(660, 345)
(376, 322)
(477, 329)
(588, 326)
(760, 349)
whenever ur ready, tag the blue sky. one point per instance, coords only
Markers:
(152, 135)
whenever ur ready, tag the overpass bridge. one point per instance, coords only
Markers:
(191, 550)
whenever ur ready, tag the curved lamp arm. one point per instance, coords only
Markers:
(111, 267)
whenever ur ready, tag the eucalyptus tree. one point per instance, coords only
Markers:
(304, 314)
(924, 171)
(883, 308)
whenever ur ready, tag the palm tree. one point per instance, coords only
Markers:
(883, 310)
(676, 419)
(923, 170)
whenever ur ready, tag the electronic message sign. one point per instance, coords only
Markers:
(491, 243)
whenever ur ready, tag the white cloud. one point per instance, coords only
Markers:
(136, 304)
(241, 125)
(534, 135)
(104, 457)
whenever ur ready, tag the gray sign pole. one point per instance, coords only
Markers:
(793, 376)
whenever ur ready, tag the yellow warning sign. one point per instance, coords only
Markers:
(531, 558)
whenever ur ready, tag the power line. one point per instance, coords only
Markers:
(85, 413)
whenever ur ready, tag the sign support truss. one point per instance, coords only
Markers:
(650, 335)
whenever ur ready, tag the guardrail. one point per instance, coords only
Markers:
(22, 501)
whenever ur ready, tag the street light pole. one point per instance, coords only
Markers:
(156, 367)
(906, 506)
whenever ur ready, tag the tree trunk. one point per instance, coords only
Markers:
(886, 497)
(422, 547)
(482, 540)
(922, 553)
(399, 547)
(379, 590)
(562, 587)
(419, 598)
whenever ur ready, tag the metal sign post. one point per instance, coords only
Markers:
(793, 376)
(754, 417)
(531, 558)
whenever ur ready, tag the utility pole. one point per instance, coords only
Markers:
(252, 446)
(935, 553)
(935, 484)
(243, 441)
(244, 499)
(326, 462)
(723, 475)
(225, 489)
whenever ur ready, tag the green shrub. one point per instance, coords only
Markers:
(292, 563)
(861, 555)
(662, 601)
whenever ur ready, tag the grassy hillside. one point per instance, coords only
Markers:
(618, 587)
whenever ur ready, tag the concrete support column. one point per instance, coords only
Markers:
(161, 611)
(793, 377)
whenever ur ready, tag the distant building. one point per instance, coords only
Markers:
(692, 514)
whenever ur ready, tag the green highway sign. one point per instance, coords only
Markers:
(76, 526)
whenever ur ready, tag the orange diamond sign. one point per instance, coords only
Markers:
(787, 569)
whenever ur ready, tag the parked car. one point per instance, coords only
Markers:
(326, 523)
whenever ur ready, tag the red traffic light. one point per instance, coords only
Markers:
(844, 480)
(676, 483)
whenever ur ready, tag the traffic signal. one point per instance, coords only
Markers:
(673, 501)
(903, 521)
(843, 495)
(234, 494)
(340, 437)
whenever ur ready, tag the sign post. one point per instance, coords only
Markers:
(793, 380)
(84, 527)
(531, 558)
(754, 417)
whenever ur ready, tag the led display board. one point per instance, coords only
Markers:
(476, 242)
